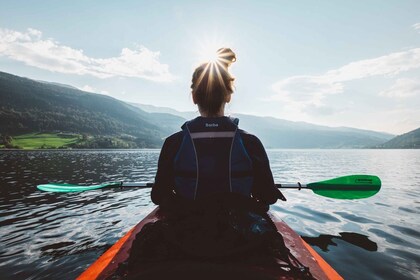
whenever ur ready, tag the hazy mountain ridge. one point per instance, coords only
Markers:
(279, 133)
(167, 110)
(287, 134)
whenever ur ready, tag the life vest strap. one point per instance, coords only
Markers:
(193, 174)
(212, 134)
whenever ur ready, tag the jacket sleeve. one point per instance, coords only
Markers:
(162, 190)
(264, 189)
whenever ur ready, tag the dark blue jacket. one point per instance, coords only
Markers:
(212, 159)
(222, 159)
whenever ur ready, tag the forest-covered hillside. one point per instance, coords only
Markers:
(29, 106)
(409, 140)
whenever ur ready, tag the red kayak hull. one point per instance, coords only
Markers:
(120, 251)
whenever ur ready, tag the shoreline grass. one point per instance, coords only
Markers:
(44, 140)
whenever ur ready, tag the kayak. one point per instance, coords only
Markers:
(107, 264)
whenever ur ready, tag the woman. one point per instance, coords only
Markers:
(214, 186)
(211, 156)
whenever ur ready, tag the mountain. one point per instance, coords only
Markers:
(409, 140)
(278, 133)
(31, 106)
(166, 110)
(99, 121)
(57, 84)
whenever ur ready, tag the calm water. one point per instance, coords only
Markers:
(56, 236)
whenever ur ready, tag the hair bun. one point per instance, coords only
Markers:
(226, 56)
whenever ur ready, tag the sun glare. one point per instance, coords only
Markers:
(206, 50)
(208, 54)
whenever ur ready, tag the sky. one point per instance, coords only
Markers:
(334, 63)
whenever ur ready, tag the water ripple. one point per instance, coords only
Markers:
(355, 218)
(48, 235)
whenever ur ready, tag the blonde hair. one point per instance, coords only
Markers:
(212, 82)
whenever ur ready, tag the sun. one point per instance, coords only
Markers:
(206, 50)
(209, 54)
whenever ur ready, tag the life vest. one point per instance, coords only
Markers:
(212, 159)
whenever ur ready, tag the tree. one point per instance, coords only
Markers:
(6, 140)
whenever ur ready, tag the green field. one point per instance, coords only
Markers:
(44, 140)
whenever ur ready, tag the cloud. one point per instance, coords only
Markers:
(403, 88)
(416, 26)
(308, 91)
(94, 90)
(30, 48)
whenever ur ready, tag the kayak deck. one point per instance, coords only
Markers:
(108, 263)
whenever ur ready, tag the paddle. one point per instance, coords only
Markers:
(346, 187)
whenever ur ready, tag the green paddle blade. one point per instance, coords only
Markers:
(348, 187)
(57, 187)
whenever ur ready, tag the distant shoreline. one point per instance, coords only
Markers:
(65, 141)
(158, 149)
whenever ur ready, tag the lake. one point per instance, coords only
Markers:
(57, 235)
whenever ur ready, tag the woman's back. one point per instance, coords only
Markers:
(211, 155)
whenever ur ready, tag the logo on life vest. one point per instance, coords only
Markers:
(212, 125)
